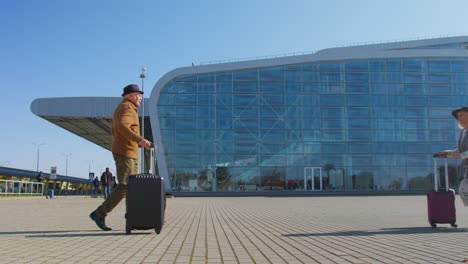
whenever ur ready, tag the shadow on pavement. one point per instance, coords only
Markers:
(101, 233)
(386, 231)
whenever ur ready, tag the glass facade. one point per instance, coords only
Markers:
(342, 125)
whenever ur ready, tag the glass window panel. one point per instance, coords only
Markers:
(415, 112)
(272, 135)
(189, 135)
(332, 124)
(361, 160)
(293, 67)
(245, 76)
(293, 100)
(357, 66)
(166, 99)
(166, 123)
(272, 88)
(332, 88)
(329, 67)
(223, 111)
(310, 67)
(311, 160)
(167, 111)
(442, 124)
(267, 123)
(414, 65)
(334, 148)
(266, 111)
(293, 76)
(358, 111)
(440, 112)
(271, 100)
(222, 87)
(393, 77)
(312, 148)
(415, 124)
(330, 77)
(310, 76)
(311, 123)
(396, 100)
(335, 160)
(388, 112)
(358, 100)
(460, 89)
(224, 77)
(274, 74)
(272, 148)
(186, 123)
(273, 160)
(376, 65)
(438, 66)
(206, 87)
(439, 100)
(293, 88)
(188, 78)
(332, 100)
(185, 147)
(224, 123)
(359, 147)
(186, 111)
(458, 65)
(295, 124)
(415, 100)
(360, 77)
(181, 161)
(333, 135)
(388, 123)
(439, 77)
(459, 77)
(206, 111)
(245, 87)
(206, 123)
(334, 112)
(359, 134)
(245, 161)
(311, 87)
(378, 89)
(205, 99)
(414, 77)
(247, 111)
(311, 135)
(224, 99)
(294, 160)
(416, 147)
(186, 99)
(441, 136)
(294, 148)
(206, 135)
(294, 112)
(359, 123)
(246, 148)
(415, 135)
(393, 65)
(243, 99)
(293, 135)
(225, 147)
(377, 77)
(389, 147)
(183, 88)
(417, 88)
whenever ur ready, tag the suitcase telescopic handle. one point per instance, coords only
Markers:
(436, 174)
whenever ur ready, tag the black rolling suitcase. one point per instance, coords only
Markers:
(146, 200)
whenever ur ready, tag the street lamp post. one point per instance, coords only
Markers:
(37, 157)
(142, 76)
(66, 163)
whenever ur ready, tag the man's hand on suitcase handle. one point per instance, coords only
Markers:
(145, 143)
(441, 154)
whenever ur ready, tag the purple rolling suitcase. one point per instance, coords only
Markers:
(146, 201)
(441, 203)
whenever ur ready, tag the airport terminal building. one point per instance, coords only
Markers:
(359, 118)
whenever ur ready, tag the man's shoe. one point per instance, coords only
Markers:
(99, 221)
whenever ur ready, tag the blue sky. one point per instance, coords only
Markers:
(65, 48)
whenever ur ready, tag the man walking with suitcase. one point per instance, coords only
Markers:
(125, 141)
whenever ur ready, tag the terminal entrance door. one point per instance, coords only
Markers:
(313, 179)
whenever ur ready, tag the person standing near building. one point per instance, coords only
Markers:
(125, 141)
(96, 185)
(106, 182)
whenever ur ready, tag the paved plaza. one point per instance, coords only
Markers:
(382, 229)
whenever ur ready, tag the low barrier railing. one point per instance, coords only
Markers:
(21, 187)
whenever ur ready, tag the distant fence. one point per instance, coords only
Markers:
(21, 187)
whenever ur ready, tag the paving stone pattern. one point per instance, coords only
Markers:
(383, 229)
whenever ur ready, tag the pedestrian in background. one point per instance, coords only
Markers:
(106, 182)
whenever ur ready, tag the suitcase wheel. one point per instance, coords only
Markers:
(157, 230)
(433, 224)
(128, 229)
(453, 224)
